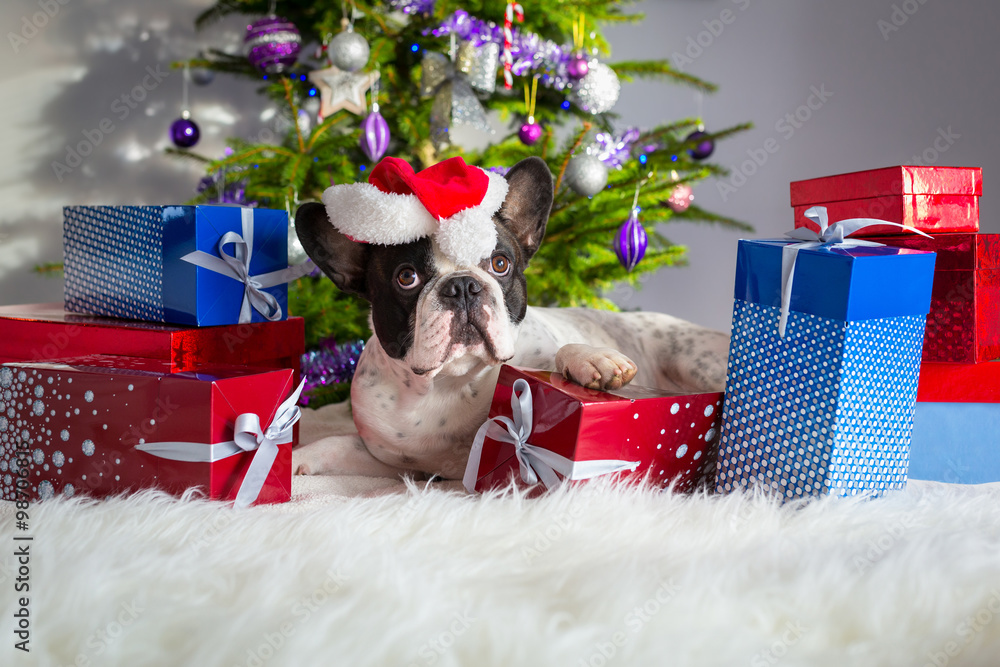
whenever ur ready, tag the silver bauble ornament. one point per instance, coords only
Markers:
(598, 91)
(586, 175)
(201, 76)
(348, 51)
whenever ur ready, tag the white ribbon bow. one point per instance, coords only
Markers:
(247, 437)
(237, 266)
(535, 463)
(831, 236)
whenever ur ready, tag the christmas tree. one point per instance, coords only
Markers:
(396, 77)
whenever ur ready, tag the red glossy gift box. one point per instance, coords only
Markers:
(37, 332)
(577, 433)
(102, 425)
(931, 199)
(963, 325)
(959, 383)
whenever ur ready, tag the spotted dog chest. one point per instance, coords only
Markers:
(416, 423)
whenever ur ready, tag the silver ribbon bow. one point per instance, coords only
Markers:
(535, 463)
(237, 266)
(248, 436)
(452, 84)
(831, 236)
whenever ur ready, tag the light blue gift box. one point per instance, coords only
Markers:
(957, 443)
(193, 265)
(828, 407)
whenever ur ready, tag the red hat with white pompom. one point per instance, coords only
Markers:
(451, 201)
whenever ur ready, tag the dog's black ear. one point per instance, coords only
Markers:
(340, 258)
(529, 200)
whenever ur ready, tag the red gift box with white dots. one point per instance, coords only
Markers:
(673, 437)
(74, 426)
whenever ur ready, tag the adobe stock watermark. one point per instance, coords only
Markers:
(122, 107)
(696, 45)
(633, 621)
(786, 127)
(432, 650)
(965, 632)
(773, 654)
(876, 548)
(546, 537)
(32, 24)
(302, 610)
(900, 14)
(98, 642)
(945, 139)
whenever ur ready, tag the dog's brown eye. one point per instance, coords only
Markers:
(500, 265)
(407, 278)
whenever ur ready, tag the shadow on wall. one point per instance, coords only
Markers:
(104, 133)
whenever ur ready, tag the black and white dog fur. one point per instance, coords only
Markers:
(424, 382)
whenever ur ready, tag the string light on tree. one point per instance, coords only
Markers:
(631, 240)
(531, 131)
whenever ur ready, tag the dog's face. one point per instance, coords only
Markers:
(427, 312)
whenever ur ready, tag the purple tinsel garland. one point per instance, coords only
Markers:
(232, 193)
(329, 364)
(616, 149)
(530, 52)
(413, 6)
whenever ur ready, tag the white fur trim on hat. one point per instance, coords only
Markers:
(367, 214)
(470, 235)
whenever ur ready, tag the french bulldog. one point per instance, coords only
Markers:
(424, 382)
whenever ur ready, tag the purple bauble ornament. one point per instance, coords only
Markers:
(578, 66)
(374, 135)
(530, 132)
(184, 133)
(703, 148)
(272, 44)
(630, 242)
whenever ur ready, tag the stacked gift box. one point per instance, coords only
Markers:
(171, 364)
(829, 364)
(956, 430)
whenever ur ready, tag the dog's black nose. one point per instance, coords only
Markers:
(461, 290)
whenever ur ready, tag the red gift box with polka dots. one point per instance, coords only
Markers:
(74, 427)
(670, 437)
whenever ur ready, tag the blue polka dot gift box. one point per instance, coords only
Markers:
(544, 430)
(192, 265)
(820, 393)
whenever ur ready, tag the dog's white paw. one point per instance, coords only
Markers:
(307, 460)
(595, 367)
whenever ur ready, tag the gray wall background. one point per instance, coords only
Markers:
(902, 80)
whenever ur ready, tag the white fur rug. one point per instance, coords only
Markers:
(589, 576)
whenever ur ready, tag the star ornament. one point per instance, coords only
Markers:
(342, 90)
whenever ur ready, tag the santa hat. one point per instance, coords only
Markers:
(450, 201)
